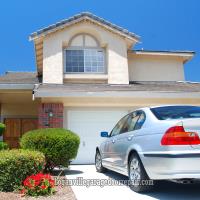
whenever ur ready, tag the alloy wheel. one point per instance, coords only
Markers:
(135, 171)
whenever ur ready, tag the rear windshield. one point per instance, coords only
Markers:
(176, 112)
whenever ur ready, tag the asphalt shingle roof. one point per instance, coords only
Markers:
(160, 86)
(19, 78)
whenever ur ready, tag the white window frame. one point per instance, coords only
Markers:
(81, 48)
(84, 48)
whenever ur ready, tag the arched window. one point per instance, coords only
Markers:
(84, 55)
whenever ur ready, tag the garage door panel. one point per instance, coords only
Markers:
(82, 116)
(88, 125)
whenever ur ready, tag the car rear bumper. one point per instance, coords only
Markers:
(170, 165)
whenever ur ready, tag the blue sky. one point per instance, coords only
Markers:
(162, 25)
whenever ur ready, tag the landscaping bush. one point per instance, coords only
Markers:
(2, 128)
(16, 165)
(3, 146)
(58, 145)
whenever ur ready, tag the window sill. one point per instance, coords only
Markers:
(86, 76)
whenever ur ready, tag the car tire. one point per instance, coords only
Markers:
(98, 163)
(139, 180)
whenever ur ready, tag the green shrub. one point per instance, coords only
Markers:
(2, 128)
(58, 145)
(3, 146)
(16, 165)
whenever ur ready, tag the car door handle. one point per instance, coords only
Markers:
(113, 141)
(129, 138)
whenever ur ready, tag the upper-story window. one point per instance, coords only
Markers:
(84, 55)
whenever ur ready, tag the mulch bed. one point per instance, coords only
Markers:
(62, 193)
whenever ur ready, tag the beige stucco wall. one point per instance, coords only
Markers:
(155, 68)
(120, 101)
(115, 47)
(11, 110)
(18, 104)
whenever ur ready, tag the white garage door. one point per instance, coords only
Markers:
(88, 124)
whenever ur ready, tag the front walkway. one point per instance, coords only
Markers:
(164, 191)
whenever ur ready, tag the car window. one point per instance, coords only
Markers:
(133, 120)
(125, 126)
(140, 121)
(118, 127)
(176, 112)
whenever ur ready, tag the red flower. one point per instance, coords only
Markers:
(43, 187)
(37, 183)
(27, 182)
(47, 176)
(22, 191)
(52, 183)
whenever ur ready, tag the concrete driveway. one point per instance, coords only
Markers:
(84, 174)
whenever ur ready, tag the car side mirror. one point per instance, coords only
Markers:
(104, 134)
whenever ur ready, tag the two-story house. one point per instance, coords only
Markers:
(88, 76)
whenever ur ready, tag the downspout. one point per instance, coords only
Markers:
(36, 86)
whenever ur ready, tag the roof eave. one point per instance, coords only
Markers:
(149, 52)
(16, 86)
(186, 55)
(125, 94)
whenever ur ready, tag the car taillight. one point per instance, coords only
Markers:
(178, 136)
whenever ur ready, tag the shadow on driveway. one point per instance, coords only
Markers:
(73, 172)
(66, 171)
(166, 190)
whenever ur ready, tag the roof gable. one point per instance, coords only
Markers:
(85, 16)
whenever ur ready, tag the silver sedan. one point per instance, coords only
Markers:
(153, 143)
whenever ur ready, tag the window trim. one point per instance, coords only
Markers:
(84, 34)
(84, 48)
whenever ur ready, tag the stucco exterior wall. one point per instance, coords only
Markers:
(52, 61)
(155, 68)
(18, 104)
(12, 110)
(119, 101)
(115, 48)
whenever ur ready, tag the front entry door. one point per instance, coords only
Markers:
(28, 125)
(13, 132)
(15, 128)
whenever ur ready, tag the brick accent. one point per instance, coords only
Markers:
(54, 121)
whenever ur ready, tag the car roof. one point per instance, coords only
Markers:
(170, 105)
(160, 106)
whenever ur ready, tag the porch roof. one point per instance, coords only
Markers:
(19, 77)
(19, 80)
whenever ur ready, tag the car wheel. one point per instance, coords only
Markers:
(98, 163)
(139, 180)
